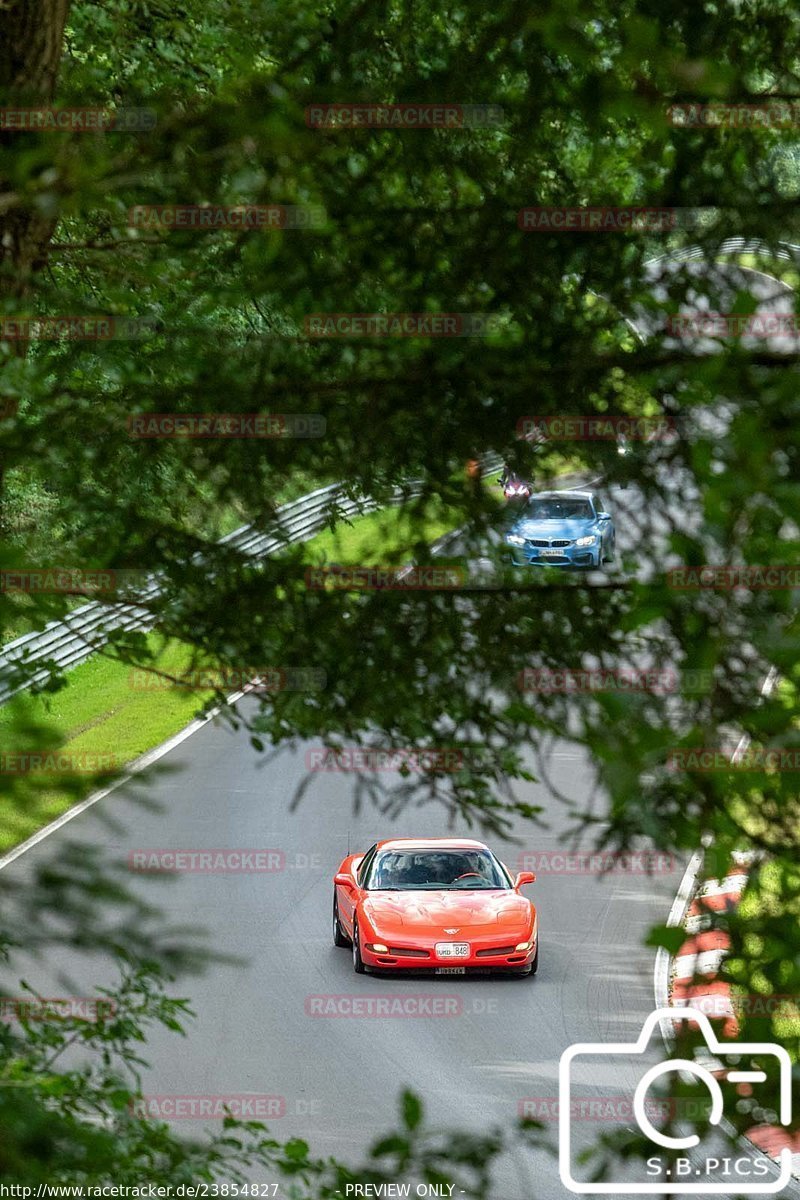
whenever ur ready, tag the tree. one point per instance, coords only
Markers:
(426, 221)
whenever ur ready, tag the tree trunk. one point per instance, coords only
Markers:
(31, 40)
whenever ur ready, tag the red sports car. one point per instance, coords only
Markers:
(445, 906)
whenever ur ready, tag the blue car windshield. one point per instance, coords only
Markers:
(435, 870)
(558, 508)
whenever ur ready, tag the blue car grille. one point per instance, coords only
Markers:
(539, 542)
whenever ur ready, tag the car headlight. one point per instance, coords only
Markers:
(514, 539)
(587, 541)
(523, 946)
(378, 948)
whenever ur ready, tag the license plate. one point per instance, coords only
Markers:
(552, 553)
(451, 970)
(452, 949)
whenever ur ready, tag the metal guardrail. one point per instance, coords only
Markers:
(63, 644)
(783, 250)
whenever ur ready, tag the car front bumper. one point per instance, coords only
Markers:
(568, 556)
(483, 959)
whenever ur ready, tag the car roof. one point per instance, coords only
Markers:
(436, 843)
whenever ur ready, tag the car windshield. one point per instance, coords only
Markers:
(435, 870)
(559, 508)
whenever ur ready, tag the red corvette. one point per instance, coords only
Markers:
(445, 906)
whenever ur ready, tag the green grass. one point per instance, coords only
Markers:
(99, 711)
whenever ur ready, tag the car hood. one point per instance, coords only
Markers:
(432, 912)
(531, 528)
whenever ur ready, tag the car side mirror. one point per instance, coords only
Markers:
(604, 516)
(342, 880)
(524, 877)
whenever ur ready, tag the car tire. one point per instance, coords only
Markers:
(339, 936)
(358, 962)
(530, 971)
(609, 557)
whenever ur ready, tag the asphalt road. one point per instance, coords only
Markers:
(500, 1040)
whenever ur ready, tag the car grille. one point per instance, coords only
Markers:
(495, 950)
(543, 543)
(404, 952)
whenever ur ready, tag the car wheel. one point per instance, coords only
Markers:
(609, 556)
(530, 971)
(339, 937)
(358, 962)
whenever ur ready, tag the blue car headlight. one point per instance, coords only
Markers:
(514, 539)
(587, 541)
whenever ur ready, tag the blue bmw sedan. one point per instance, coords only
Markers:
(562, 529)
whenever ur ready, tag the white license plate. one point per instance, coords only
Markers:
(451, 970)
(552, 553)
(452, 949)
